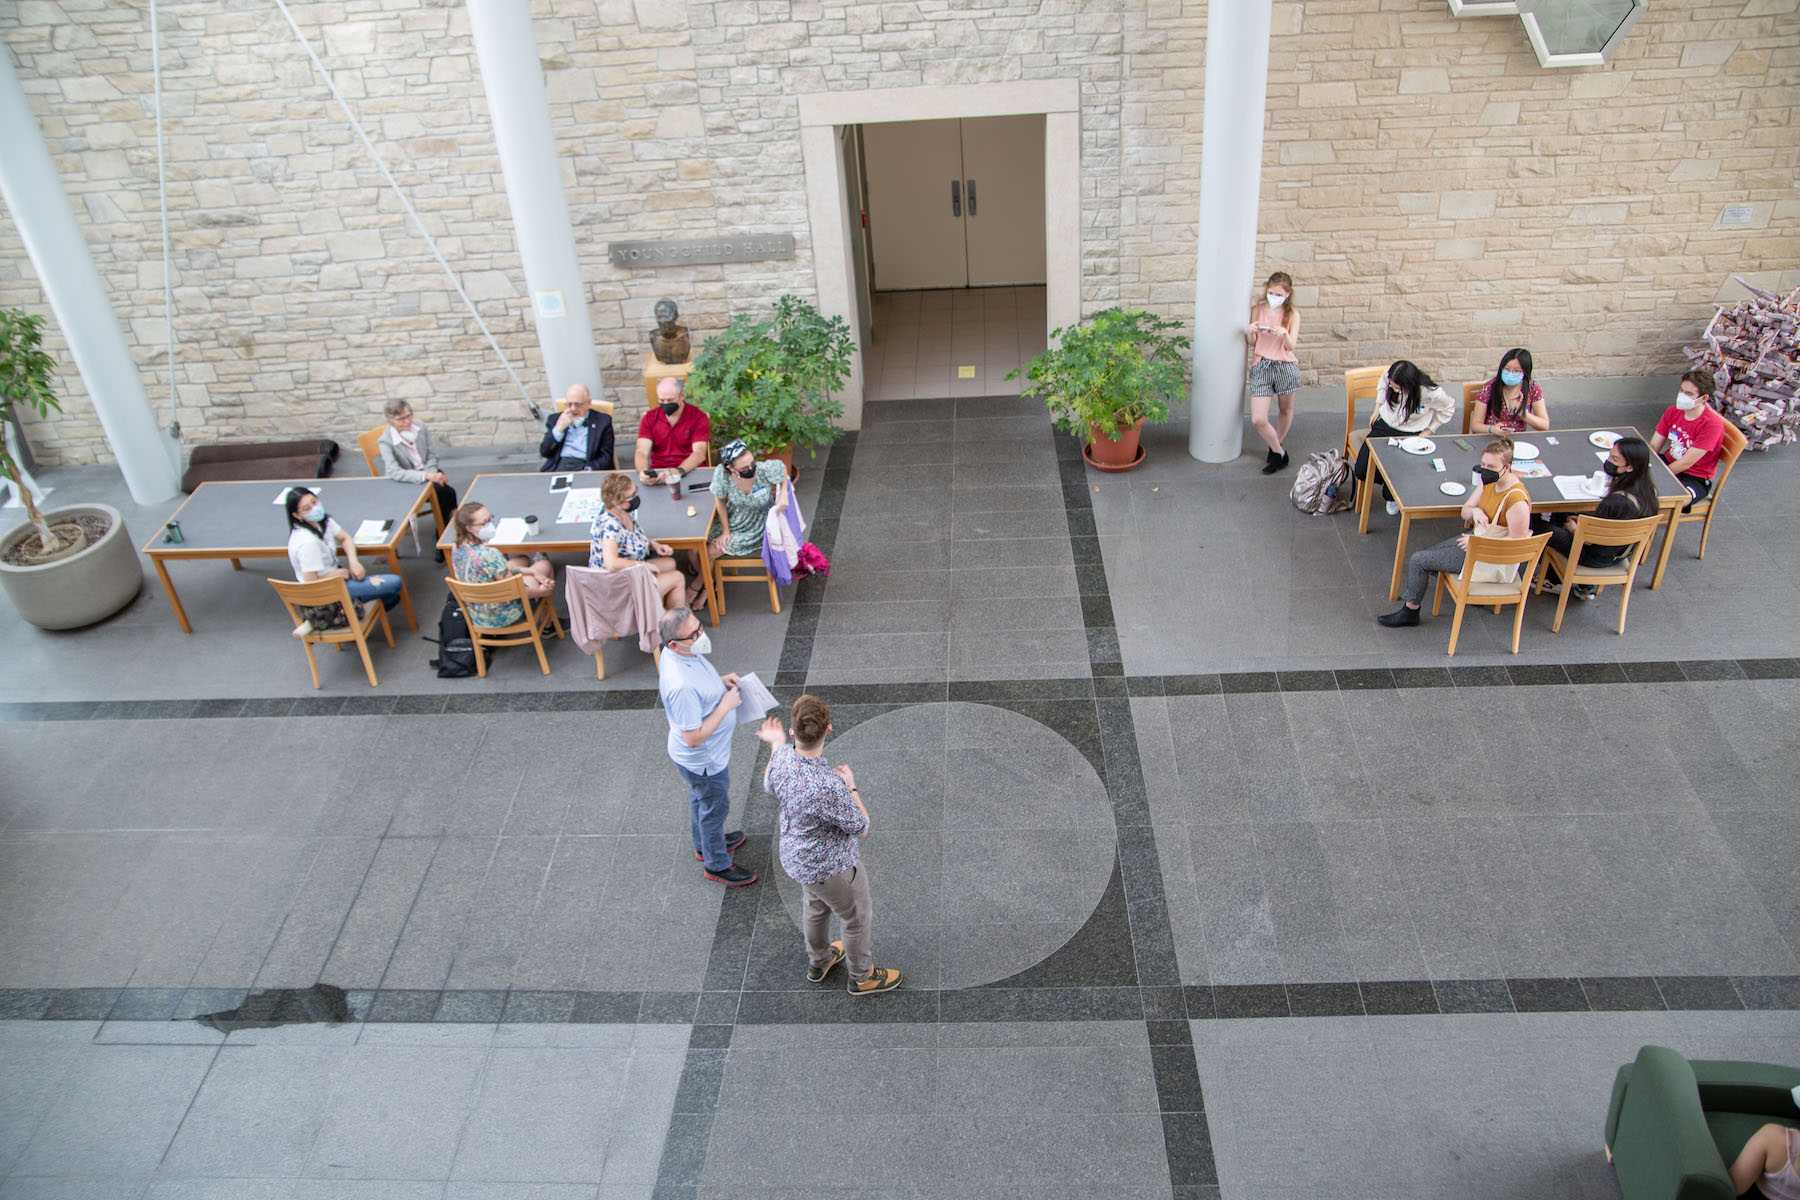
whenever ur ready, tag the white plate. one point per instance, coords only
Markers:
(1603, 438)
(1418, 445)
(1524, 451)
(1452, 488)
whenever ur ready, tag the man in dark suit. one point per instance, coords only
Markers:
(578, 438)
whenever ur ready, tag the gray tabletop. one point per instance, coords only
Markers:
(528, 494)
(243, 515)
(1415, 482)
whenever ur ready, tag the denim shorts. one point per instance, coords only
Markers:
(1273, 377)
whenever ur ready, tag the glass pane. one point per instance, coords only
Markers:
(1580, 26)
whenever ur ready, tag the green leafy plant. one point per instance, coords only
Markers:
(771, 381)
(25, 372)
(1123, 366)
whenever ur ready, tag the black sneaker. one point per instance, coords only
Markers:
(1276, 463)
(733, 876)
(732, 841)
(1400, 618)
(1584, 591)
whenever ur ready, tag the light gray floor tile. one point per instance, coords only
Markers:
(543, 1116)
(117, 1111)
(36, 1074)
(259, 1112)
(397, 1113)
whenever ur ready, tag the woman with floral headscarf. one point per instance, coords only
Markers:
(746, 490)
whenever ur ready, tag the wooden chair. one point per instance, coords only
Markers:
(576, 579)
(1465, 591)
(1359, 386)
(742, 570)
(334, 591)
(538, 613)
(1703, 510)
(1596, 531)
(369, 442)
(1471, 397)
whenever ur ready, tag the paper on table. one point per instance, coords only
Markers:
(580, 505)
(1575, 487)
(512, 530)
(1531, 470)
(757, 699)
(372, 532)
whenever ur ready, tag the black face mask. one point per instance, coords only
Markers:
(633, 506)
(748, 472)
(1487, 474)
(669, 407)
(1397, 399)
(1610, 467)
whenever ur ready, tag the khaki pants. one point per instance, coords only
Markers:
(847, 895)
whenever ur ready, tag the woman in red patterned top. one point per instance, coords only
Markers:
(1510, 402)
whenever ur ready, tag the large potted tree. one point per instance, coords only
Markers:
(770, 381)
(1101, 381)
(70, 566)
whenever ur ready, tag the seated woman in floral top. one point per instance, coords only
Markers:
(474, 561)
(618, 542)
(746, 491)
(1512, 401)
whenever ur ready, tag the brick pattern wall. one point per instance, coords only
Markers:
(1435, 193)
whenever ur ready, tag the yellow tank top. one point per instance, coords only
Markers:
(1494, 503)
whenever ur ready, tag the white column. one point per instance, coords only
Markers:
(1237, 84)
(834, 273)
(40, 211)
(513, 77)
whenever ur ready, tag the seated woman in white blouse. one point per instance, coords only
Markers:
(1407, 402)
(314, 541)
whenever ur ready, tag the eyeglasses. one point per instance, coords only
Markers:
(688, 637)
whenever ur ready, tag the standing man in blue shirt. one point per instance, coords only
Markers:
(579, 438)
(702, 709)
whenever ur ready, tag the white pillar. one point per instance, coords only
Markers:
(834, 272)
(40, 211)
(513, 77)
(1237, 84)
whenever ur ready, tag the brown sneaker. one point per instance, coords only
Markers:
(881, 979)
(818, 974)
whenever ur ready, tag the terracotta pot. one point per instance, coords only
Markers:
(1107, 453)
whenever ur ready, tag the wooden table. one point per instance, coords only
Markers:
(239, 520)
(527, 493)
(1414, 483)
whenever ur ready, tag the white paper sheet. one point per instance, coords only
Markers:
(512, 531)
(1531, 470)
(757, 699)
(372, 532)
(579, 506)
(1576, 487)
(282, 495)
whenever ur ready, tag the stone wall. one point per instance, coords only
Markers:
(1434, 192)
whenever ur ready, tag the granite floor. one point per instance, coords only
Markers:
(1204, 886)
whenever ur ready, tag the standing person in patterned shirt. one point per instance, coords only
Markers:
(821, 819)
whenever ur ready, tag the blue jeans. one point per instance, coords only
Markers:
(709, 797)
(385, 588)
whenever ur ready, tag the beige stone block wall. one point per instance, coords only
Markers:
(1434, 192)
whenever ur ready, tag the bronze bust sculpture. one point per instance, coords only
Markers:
(669, 342)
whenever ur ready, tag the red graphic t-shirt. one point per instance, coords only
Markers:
(1705, 432)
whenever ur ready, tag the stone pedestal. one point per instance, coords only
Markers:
(655, 372)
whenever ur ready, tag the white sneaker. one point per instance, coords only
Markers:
(302, 629)
(1393, 509)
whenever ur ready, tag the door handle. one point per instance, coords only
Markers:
(956, 197)
(971, 197)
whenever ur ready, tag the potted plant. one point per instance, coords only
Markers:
(70, 566)
(1104, 379)
(770, 381)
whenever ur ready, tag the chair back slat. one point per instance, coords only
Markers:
(1471, 395)
(1502, 551)
(1733, 447)
(369, 442)
(1599, 531)
(1359, 386)
(294, 595)
(497, 592)
(605, 406)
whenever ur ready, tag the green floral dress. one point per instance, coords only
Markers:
(748, 512)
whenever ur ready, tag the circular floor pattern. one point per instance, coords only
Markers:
(991, 841)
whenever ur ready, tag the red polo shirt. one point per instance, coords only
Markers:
(670, 444)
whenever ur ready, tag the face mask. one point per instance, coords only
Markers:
(317, 515)
(1396, 399)
(1486, 475)
(486, 532)
(1610, 467)
(1275, 299)
(633, 506)
(1685, 402)
(702, 644)
(748, 472)
(1512, 378)
(669, 407)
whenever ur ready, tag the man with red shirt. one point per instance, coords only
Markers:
(674, 434)
(1690, 434)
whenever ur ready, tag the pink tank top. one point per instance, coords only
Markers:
(1270, 345)
(1785, 1183)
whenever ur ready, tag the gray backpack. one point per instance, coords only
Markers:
(1322, 485)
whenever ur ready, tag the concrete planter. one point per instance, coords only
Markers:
(88, 586)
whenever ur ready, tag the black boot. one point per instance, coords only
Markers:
(1400, 618)
(1276, 462)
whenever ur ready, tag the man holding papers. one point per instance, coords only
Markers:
(702, 708)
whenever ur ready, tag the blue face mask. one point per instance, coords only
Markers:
(1512, 378)
(317, 513)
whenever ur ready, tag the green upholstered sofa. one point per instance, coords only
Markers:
(1674, 1127)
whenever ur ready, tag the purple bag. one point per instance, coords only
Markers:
(774, 560)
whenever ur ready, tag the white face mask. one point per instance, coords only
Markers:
(1685, 402)
(1275, 299)
(486, 532)
(703, 644)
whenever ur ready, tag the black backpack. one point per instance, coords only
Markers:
(456, 653)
